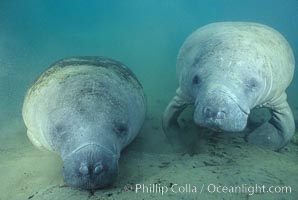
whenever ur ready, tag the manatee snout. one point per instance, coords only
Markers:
(90, 167)
(220, 110)
(212, 112)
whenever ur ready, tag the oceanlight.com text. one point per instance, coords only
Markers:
(210, 188)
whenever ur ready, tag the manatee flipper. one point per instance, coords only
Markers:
(277, 132)
(170, 118)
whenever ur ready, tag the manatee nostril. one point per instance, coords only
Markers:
(84, 169)
(220, 115)
(207, 112)
(98, 168)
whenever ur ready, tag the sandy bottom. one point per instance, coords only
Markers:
(212, 161)
(145, 37)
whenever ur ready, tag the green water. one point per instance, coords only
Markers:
(146, 36)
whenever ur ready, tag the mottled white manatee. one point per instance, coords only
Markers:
(86, 109)
(226, 69)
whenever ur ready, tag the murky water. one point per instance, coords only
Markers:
(146, 36)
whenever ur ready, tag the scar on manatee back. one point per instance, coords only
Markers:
(123, 71)
(120, 69)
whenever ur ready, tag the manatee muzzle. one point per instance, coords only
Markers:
(90, 166)
(221, 110)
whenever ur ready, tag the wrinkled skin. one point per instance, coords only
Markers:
(85, 109)
(90, 167)
(225, 70)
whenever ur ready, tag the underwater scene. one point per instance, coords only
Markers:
(152, 99)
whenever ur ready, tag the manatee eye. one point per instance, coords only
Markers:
(196, 80)
(251, 83)
(120, 129)
(59, 128)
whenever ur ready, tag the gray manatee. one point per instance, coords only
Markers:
(226, 69)
(86, 109)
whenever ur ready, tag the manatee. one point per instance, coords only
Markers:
(85, 109)
(225, 70)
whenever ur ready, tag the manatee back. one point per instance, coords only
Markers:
(77, 97)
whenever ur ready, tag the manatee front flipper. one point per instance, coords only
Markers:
(170, 118)
(278, 131)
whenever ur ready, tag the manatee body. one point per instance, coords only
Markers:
(86, 109)
(226, 69)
